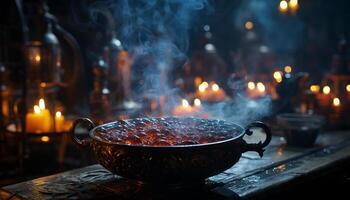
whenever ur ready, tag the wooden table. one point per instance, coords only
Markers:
(250, 177)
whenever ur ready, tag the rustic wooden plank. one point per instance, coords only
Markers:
(250, 176)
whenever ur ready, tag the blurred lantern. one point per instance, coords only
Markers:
(100, 96)
(43, 50)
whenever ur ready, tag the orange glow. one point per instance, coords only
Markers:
(58, 114)
(293, 4)
(326, 89)
(336, 102)
(251, 85)
(348, 88)
(249, 25)
(197, 102)
(185, 103)
(283, 6)
(36, 109)
(277, 75)
(37, 58)
(45, 139)
(288, 69)
(215, 87)
(203, 86)
(315, 88)
(42, 104)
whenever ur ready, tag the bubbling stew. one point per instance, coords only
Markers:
(168, 131)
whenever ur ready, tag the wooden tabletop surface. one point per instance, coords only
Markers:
(251, 176)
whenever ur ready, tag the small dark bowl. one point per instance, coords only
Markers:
(170, 164)
(300, 129)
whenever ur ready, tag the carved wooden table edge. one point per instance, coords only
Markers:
(94, 181)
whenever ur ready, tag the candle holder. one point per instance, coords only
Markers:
(33, 108)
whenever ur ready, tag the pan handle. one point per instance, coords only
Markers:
(85, 122)
(259, 147)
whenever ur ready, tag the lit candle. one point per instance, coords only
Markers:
(59, 122)
(185, 109)
(38, 121)
(256, 90)
(212, 93)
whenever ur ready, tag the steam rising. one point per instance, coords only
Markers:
(157, 35)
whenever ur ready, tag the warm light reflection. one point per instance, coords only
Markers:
(283, 6)
(42, 104)
(315, 88)
(36, 109)
(251, 85)
(288, 69)
(260, 86)
(215, 87)
(185, 103)
(45, 139)
(249, 25)
(336, 101)
(197, 102)
(326, 89)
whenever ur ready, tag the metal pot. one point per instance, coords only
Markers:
(170, 164)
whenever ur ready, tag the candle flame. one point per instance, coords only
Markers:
(336, 101)
(277, 75)
(37, 58)
(215, 87)
(314, 88)
(58, 114)
(293, 3)
(45, 139)
(185, 103)
(36, 109)
(203, 86)
(42, 104)
(260, 86)
(249, 25)
(348, 88)
(288, 69)
(197, 102)
(251, 85)
(326, 89)
(283, 6)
